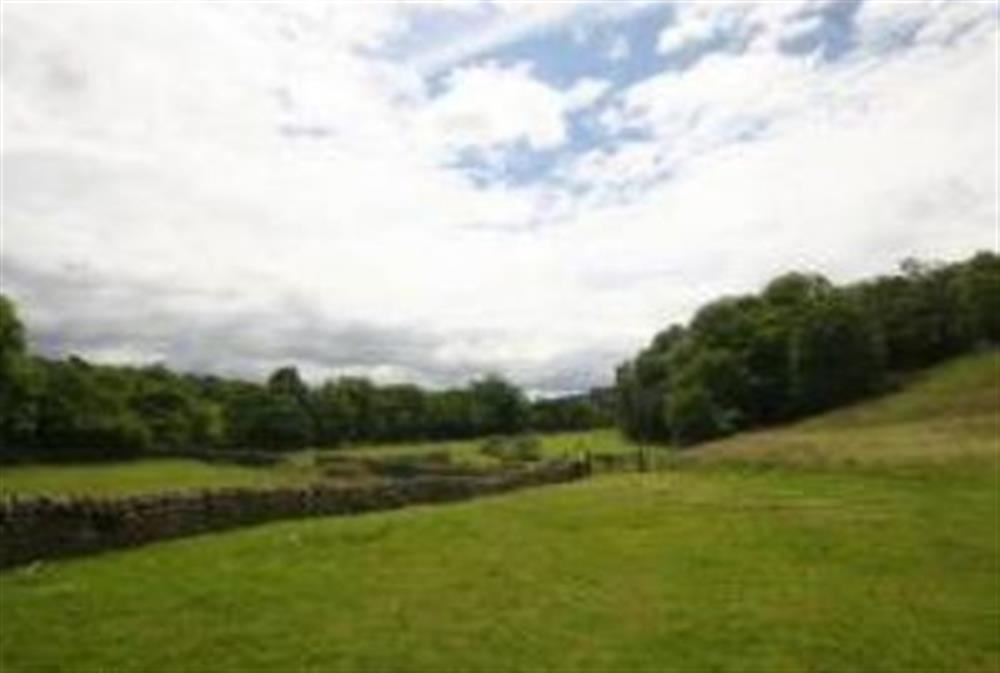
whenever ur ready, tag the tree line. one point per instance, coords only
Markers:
(803, 345)
(73, 408)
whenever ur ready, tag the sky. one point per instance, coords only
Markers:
(430, 192)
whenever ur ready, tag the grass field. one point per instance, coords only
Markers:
(142, 476)
(148, 476)
(875, 549)
(568, 444)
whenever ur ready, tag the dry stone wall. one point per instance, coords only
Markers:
(44, 528)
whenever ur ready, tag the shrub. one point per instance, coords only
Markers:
(527, 448)
(436, 457)
(346, 469)
(513, 449)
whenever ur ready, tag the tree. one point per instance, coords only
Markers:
(169, 415)
(796, 290)
(335, 414)
(499, 407)
(450, 414)
(693, 415)
(766, 362)
(803, 345)
(402, 409)
(641, 386)
(83, 412)
(359, 394)
(286, 381)
(571, 412)
(835, 355)
(978, 290)
(11, 330)
(919, 312)
(20, 382)
(262, 419)
(641, 403)
(726, 323)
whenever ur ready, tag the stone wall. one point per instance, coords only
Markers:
(43, 528)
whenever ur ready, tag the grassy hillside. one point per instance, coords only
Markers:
(945, 414)
(713, 567)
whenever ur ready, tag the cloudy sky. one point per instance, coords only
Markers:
(428, 192)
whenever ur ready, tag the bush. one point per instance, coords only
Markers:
(513, 449)
(346, 469)
(493, 446)
(527, 448)
(436, 457)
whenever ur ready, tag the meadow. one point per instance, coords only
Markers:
(561, 445)
(143, 476)
(163, 474)
(864, 539)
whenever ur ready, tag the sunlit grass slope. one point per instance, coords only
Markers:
(948, 413)
(713, 567)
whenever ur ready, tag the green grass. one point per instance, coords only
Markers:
(947, 414)
(154, 475)
(678, 571)
(714, 567)
(571, 444)
(562, 445)
(141, 476)
(567, 444)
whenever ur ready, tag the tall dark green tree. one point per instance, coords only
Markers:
(84, 411)
(835, 354)
(803, 345)
(977, 286)
(498, 406)
(20, 383)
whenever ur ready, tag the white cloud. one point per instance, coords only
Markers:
(491, 25)
(258, 161)
(189, 146)
(729, 98)
(760, 24)
(488, 105)
(744, 25)
(693, 25)
(585, 92)
(485, 26)
(933, 23)
(778, 161)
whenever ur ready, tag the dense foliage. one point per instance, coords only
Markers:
(803, 345)
(72, 408)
